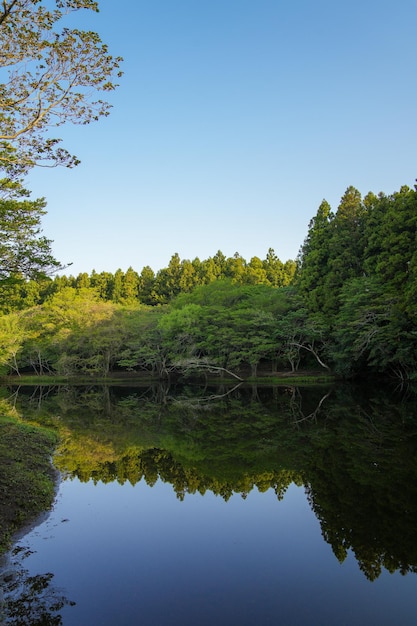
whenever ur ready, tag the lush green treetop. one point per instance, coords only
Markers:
(24, 253)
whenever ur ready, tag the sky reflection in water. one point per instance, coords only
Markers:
(138, 555)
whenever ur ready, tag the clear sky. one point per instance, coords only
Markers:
(232, 122)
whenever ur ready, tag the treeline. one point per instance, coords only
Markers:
(347, 306)
(149, 287)
(357, 269)
(221, 327)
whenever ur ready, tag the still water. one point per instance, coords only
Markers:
(271, 506)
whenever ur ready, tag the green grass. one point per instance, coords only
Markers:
(27, 479)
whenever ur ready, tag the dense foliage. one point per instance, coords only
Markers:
(218, 327)
(24, 253)
(346, 306)
(26, 479)
(358, 268)
(150, 288)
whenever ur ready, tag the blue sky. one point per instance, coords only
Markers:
(232, 122)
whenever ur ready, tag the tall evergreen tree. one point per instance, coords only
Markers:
(24, 252)
(346, 248)
(313, 258)
(391, 235)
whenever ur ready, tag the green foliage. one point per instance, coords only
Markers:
(358, 268)
(298, 332)
(146, 287)
(24, 253)
(145, 348)
(226, 293)
(52, 74)
(391, 236)
(220, 327)
(332, 252)
(368, 327)
(13, 334)
(26, 477)
(227, 325)
(313, 258)
(349, 308)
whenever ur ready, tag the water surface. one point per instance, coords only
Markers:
(254, 508)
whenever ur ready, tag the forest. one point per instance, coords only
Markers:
(345, 306)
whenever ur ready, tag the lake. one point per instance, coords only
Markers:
(252, 505)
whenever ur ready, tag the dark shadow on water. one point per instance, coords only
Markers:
(29, 600)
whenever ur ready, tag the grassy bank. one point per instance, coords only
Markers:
(26, 475)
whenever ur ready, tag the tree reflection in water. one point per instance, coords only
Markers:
(29, 599)
(353, 449)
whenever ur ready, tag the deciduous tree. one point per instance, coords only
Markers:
(52, 75)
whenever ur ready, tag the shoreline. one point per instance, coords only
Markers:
(29, 481)
(10, 566)
(138, 378)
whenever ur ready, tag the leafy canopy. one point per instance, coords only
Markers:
(49, 75)
(24, 252)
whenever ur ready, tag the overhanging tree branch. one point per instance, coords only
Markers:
(196, 364)
(51, 78)
(310, 348)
